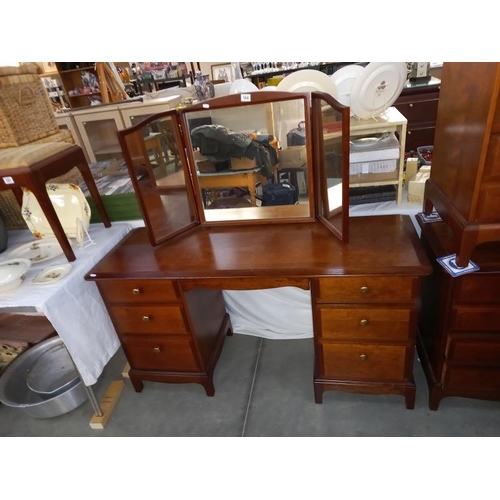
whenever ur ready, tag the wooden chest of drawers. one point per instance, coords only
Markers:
(365, 334)
(418, 103)
(459, 328)
(156, 323)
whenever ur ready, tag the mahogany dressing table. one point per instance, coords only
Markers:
(162, 285)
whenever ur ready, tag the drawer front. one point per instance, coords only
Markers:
(473, 378)
(163, 319)
(476, 319)
(363, 361)
(488, 206)
(474, 353)
(137, 291)
(160, 354)
(419, 136)
(419, 111)
(370, 289)
(338, 323)
(478, 289)
(492, 163)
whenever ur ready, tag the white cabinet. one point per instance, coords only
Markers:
(390, 121)
(134, 112)
(98, 129)
(65, 122)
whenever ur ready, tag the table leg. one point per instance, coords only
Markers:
(93, 401)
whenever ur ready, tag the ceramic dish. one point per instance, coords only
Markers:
(377, 87)
(37, 251)
(308, 80)
(69, 203)
(344, 80)
(51, 274)
(12, 273)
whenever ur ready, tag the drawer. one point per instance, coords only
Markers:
(419, 111)
(419, 136)
(466, 352)
(364, 323)
(371, 289)
(145, 319)
(475, 319)
(159, 354)
(137, 291)
(473, 378)
(363, 361)
(492, 162)
(478, 289)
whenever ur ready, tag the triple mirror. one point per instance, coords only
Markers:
(261, 157)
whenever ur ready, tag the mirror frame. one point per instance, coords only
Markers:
(240, 100)
(134, 156)
(337, 223)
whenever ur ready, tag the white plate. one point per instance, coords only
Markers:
(52, 274)
(13, 273)
(37, 251)
(308, 80)
(344, 79)
(377, 87)
(69, 203)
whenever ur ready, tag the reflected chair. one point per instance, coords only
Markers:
(33, 150)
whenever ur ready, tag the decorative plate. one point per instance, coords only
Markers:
(308, 80)
(51, 274)
(377, 87)
(344, 79)
(69, 203)
(37, 251)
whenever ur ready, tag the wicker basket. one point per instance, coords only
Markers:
(11, 211)
(26, 114)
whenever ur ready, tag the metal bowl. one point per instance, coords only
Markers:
(15, 392)
(53, 372)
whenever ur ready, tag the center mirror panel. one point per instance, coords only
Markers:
(250, 157)
(155, 165)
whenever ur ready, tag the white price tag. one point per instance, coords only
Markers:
(8, 180)
(246, 97)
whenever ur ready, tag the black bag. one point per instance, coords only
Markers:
(279, 193)
(296, 136)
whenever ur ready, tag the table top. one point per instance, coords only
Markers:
(385, 244)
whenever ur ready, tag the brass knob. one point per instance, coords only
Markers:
(136, 291)
(409, 132)
(410, 105)
(364, 322)
(156, 349)
(364, 289)
(146, 317)
(363, 357)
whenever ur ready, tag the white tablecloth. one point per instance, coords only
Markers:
(73, 305)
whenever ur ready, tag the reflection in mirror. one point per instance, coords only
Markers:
(154, 163)
(251, 160)
(331, 128)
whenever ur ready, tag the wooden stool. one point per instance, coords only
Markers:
(32, 165)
